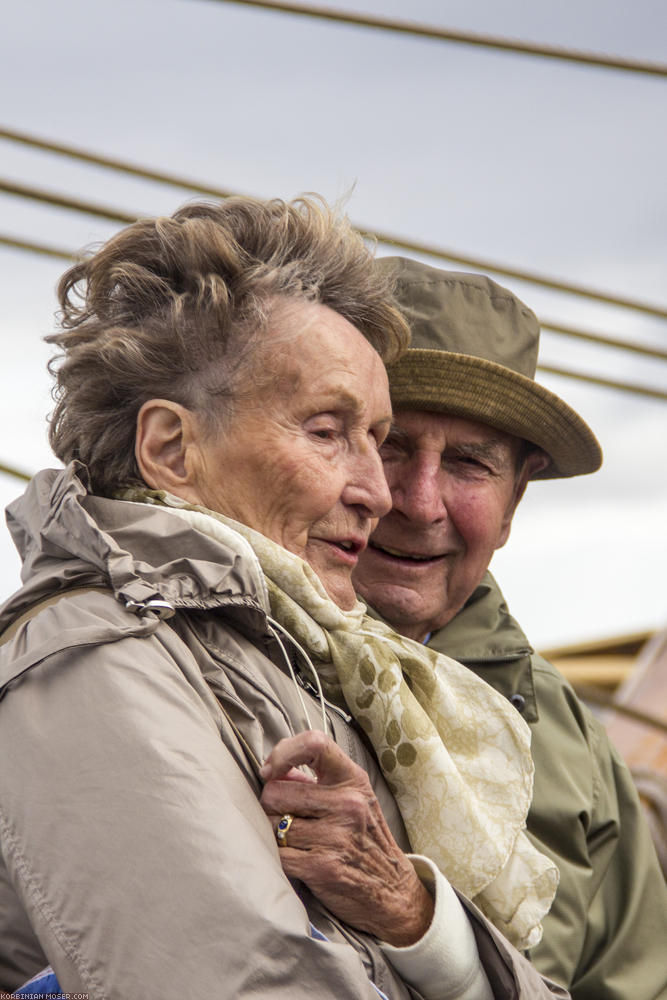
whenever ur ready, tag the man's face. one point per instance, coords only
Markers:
(454, 488)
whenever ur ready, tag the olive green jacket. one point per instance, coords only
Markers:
(606, 935)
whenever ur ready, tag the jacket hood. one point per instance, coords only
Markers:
(67, 537)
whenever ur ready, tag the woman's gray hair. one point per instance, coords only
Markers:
(175, 308)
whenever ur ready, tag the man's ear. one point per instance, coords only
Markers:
(164, 440)
(534, 463)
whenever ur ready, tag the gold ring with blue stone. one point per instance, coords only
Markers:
(284, 823)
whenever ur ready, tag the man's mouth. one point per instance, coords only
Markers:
(414, 557)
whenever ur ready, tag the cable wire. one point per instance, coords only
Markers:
(65, 201)
(9, 470)
(640, 390)
(110, 162)
(387, 239)
(433, 32)
(550, 325)
(41, 248)
(602, 339)
(531, 277)
(566, 373)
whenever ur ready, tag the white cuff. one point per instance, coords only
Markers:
(444, 964)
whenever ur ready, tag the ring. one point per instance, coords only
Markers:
(284, 823)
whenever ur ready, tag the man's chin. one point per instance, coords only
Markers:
(399, 606)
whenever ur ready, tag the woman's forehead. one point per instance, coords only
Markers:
(318, 351)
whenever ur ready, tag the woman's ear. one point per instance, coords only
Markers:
(163, 444)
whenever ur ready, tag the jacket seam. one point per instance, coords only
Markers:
(41, 903)
(594, 737)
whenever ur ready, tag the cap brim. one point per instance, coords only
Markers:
(444, 382)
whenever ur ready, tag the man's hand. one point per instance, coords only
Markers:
(339, 843)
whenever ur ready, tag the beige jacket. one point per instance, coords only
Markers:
(135, 856)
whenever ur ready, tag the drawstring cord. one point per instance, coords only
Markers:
(318, 684)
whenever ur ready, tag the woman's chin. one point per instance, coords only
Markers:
(333, 565)
(339, 588)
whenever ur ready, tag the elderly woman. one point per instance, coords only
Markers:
(214, 763)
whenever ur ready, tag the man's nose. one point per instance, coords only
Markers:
(417, 490)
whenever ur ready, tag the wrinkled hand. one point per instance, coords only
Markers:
(339, 843)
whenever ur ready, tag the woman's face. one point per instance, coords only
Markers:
(300, 461)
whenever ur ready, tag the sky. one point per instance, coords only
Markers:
(542, 165)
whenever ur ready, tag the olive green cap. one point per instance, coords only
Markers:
(474, 354)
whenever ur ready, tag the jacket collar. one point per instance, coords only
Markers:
(67, 537)
(486, 638)
(484, 631)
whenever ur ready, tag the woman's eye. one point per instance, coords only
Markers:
(324, 426)
(324, 433)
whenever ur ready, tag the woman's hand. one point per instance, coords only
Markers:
(339, 843)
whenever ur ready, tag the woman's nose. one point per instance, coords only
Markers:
(368, 486)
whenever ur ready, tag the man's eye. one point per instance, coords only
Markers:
(325, 433)
(387, 448)
(472, 464)
(392, 442)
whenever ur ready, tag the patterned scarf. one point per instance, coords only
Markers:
(455, 753)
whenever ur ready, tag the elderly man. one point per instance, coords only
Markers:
(472, 427)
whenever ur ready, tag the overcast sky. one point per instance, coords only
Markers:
(543, 165)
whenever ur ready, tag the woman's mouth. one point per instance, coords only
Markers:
(346, 549)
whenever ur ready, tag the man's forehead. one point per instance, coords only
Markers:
(451, 428)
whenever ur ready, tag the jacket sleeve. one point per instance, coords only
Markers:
(139, 851)
(605, 933)
(510, 973)
(20, 954)
(498, 970)
(623, 952)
